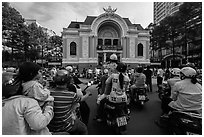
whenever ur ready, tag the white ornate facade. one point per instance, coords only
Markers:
(90, 43)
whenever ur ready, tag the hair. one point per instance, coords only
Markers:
(194, 80)
(140, 69)
(27, 71)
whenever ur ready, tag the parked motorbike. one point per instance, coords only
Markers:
(139, 96)
(184, 123)
(117, 116)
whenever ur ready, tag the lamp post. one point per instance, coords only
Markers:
(171, 42)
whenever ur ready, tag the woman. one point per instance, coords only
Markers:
(22, 115)
(115, 91)
(187, 93)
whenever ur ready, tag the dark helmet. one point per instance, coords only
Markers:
(62, 77)
(121, 67)
(28, 70)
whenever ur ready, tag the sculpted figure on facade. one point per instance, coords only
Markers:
(109, 10)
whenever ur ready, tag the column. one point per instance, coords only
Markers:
(104, 57)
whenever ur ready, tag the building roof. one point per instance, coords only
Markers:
(89, 20)
(75, 24)
(139, 27)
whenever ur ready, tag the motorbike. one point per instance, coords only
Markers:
(139, 96)
(184, 123)
(83, 111)
(117, 116)
(164, 90)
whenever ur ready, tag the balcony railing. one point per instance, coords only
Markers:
(109, 47)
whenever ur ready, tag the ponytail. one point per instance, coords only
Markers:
(121, 80)
(194, 80)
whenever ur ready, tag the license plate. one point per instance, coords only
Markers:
(121, 121)
(190, 133)
(141, 97)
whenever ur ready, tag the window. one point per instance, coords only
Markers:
(115, 42)
(140, 49)
(107, 41)
(100, 41)
(72, 48)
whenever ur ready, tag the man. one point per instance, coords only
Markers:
(65, 101)
(148, 73)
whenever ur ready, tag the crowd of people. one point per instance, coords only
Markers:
(46, 101)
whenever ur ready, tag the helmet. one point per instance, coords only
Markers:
(140, 69)
(121, 67)
(105, 71)
(188, 71)
(61, 77)
(113, 57)
(69, 68)
(28, 70)
(8, 86)
(175, 71)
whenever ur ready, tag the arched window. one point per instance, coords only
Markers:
(140, 50)
(72, 48)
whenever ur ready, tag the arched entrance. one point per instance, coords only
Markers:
(109, 41)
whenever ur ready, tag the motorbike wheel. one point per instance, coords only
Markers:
(121, 130)
(160, 95)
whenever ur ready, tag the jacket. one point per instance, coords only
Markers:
(23, 116)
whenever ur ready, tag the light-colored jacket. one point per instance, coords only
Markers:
(187, 96)
(23, 116)
(35, 90)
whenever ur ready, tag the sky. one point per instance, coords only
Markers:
(58, 15)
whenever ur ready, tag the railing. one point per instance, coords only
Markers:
(109, 47)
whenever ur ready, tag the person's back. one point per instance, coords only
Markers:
(187, 93)
(140, 80)
(189, 97)
(65, 101)
(19, 111)
(116, 91)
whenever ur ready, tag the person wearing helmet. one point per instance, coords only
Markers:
(65, 101)
(113, 64)
(22, 115)
(138, 80)
(187, 93)
(69, 68)
(175, 77)
(115, 90)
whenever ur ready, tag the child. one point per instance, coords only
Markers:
(30, 75)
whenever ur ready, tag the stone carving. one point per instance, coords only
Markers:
(109, 10)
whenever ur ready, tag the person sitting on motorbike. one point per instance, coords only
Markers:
(65, 119)
(115, 91)
(187, 93)
(138, 81)
(175, 77)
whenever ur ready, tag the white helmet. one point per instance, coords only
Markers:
(69, 68)
(113, 57)
(188, 71)
(175, 71)
(105, 71)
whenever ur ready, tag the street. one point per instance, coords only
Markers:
(141, 121)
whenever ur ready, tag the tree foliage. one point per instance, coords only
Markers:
(182, 27)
